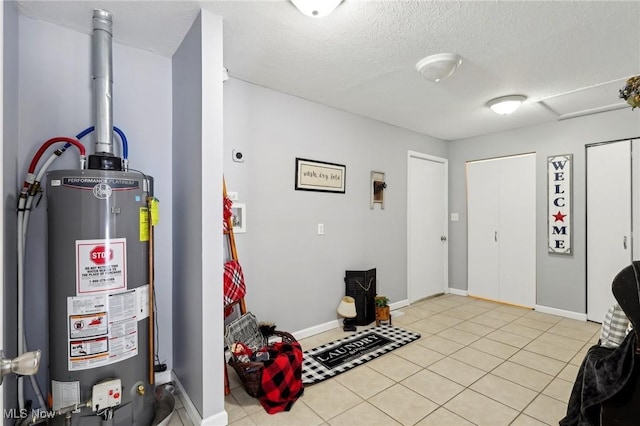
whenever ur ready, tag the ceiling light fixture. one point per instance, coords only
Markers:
(506, 105)
(438, 67)
(316, 8)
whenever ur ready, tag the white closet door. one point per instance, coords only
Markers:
(608, 222)
(482, 228)
(517, 231)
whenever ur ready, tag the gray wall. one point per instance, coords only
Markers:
(55, 99)
(9, 188)
(560, 279)
(197, 220)
(294, 276)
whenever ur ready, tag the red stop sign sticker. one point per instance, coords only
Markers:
(101, 255)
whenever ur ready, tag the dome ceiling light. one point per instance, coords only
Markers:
(506, 105)
(438, 67)
(316, 8)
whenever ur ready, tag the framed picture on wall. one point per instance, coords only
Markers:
(319, 176)
(239, 217)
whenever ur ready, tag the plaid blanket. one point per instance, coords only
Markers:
(233, 279)
(281, 383)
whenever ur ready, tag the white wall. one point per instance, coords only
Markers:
(295, 277)
(561, 281)
(197, 232)
(55, 99)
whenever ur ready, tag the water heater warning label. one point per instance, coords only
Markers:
(101, 266)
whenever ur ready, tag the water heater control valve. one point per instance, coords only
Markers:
(106, 394)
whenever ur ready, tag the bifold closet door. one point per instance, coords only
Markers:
(608, 222)
(501, 229)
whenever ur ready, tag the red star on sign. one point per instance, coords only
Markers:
(559, 217)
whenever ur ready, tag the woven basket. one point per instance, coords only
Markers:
(250, 373)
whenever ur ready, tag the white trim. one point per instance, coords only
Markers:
(561, 312)
(219, 419)
(445, 163)
(317, 329)
(163, 377)
(399, 304)
(457, 291)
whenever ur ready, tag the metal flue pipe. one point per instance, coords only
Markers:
(102, 63)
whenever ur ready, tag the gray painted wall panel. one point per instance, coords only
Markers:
(294, 276)
(560, 279)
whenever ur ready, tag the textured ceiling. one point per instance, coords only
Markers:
(568, 57)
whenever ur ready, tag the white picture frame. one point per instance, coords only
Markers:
(239, 217)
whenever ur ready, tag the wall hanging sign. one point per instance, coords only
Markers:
(378, 185)
(319, 176)
(559, 188)
(239, 217)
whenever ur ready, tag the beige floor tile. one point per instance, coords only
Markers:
(403, 404)
(569, 373)
(329, 398)
(429, 326)
(521, 330)
(446, 319)
(457, 371)
(580, 325)
(438, 344)
(184, 417)
(572, 332)
(300, 414)
(247, 402)
(562, 341)
(532, 379)
(233, 408)
(494, 323)
(435, 307)
(494, 348)
(459, 336)
(524, 420)
(407, 318)
(504, 391)
(394, 367)
(579, 357)
(515, 310)
(463, 313)
(363, 414)
(543, 317)
(551, 350)
(433, 386)
(509, 338)
(364, 381)
(447, 301)
(475, 328)
(420, 355)
(531, 323)
(443, 417)
(547, 409)
(504, 316)
(538, 362)
(483, 303)
(481, 410)
(478, 359)
(559, 389)
(175, 420)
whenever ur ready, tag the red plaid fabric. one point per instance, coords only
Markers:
(281, 383)
(234, 287)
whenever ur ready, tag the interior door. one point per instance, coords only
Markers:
(483, 221)
(608, 222)
(427, 209)
(517, 230)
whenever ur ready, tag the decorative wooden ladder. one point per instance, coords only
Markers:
(233, 255)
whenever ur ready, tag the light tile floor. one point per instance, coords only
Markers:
(476, 363)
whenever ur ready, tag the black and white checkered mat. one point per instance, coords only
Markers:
(334, 358)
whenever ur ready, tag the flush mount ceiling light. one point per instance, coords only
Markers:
(316, 8)
(438, 67)
(506, 105)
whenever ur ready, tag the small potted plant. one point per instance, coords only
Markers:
(383, 311)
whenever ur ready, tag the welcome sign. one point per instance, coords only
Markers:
(559, 204)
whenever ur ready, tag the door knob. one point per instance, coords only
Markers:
(443, 238)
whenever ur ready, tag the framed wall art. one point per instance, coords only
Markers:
(239, 217)
(319, 176)
(559, 194)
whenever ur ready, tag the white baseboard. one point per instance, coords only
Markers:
(218, 419)
(457, 292)
(163, 377)
(316, 329)
(399, 304)
(561, 312)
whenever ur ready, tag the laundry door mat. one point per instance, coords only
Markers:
(342, 355)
